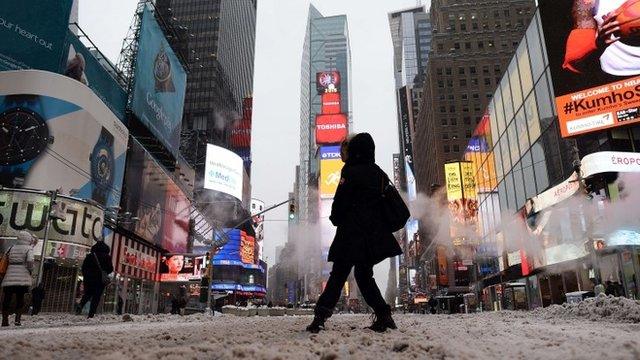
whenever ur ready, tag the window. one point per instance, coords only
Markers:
(443, 122)
(480, 45)
(445, 136)
(452, 109)
(466, 120)
(440, 46)
(472, 70)
(453, 121)
(456, 46)
(461, 71)
(476, 96)
(465, 96)
(439, 71)
(467, 133)
(467, 45)
(533, 122)
(485, 70)
(443, 109)
(487, 81)
(463, 82)
(447, 70)
(440, 83)
(463, 27)
(497, 70)
(456, 148)
(474, 81)
(447, 149)
(474, 26)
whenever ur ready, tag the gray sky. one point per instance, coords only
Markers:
(276, 116)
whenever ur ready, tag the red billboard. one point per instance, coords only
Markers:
(241, 132)
(331, 128)
(327, 81)
(331, 103)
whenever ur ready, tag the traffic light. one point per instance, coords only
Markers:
(292, 211)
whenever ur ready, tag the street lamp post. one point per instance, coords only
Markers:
(52, 200)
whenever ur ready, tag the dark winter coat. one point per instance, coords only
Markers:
(90, 270)
(356, 210)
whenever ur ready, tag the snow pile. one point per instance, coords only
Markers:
(595, 309)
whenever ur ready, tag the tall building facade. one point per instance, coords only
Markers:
(472, 43)
(411, 37)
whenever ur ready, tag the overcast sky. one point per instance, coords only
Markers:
(276, 116)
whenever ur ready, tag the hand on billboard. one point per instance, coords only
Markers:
(608, 31)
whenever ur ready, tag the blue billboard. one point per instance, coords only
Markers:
(82, 65)
(229, 254)
(160, 84)
(32, 34)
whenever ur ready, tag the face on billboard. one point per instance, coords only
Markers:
(328, 81)
(223, 171)
(29, 39)
(595, 66)
(160, 83)
(331, 129)
(160, 205)
(59, 135)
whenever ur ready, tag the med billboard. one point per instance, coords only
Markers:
(594, 62)
(162, 208)
(83, 66)
(223, 171)
(160, 84)
(32, 34)
(59, 134)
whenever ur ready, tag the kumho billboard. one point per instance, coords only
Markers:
(594, 62)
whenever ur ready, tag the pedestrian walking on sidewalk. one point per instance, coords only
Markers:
(95, 267)
(362, 238)
(17, 281)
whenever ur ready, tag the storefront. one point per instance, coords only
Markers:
(136, 288)
(76, 227)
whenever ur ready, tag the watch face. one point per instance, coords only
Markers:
(23, 136)
(162, 67)
(102, 168)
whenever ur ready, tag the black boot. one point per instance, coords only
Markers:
(382, 320)
(321, 315)
(5, 318)
(18, 316)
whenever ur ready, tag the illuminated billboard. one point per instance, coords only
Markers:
(330, 103)
(162, 208)
(330, 170)
(223, 171)
(478, 152)
(230, 254)
(461, 193)
(175, 268)
(327, 81)
(331, 129)
(59, 134)
(160, 84)
(32, 34)
(596, 77)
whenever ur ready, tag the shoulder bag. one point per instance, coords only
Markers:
(4, 263)
(395, 212)
(105, 277)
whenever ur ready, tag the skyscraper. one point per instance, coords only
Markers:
(472, 43)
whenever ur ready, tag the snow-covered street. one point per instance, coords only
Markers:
(603, 328)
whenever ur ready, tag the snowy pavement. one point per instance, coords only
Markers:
(553, 333)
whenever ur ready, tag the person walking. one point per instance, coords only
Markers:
(18, 280)
(361, 239)
(93, 266)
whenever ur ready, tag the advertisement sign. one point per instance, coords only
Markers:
(82, 66)
(32, 34)
(443, 266)
(453, 179)
(247, 249)
(162, 208)
(26, 210)
(160, 84)
(138, 259)
(461, 193)
(229, 254)
(223, 171)
(59, 134)
(331, 129)
(406, 141)
(596, 83)
(330, 103)
(330, 173)
(241, 132)
(182, 268)
(327, 81)
(479, 153)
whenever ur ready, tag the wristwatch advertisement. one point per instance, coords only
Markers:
(102, 167)
(162, 72)
(24, 135)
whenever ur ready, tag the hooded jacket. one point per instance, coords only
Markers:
(20, 262)
(356, 210)
(90, 269)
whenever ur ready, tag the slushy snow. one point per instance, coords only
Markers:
(602, 328)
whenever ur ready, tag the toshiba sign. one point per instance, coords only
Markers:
(331, 129)
(331, 103)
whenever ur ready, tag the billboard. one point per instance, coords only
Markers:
(32, 34)
(331, 129)
(596, 76)
(327, 81)
(330, 103)
(330, 170)
(162, 208)
(182, 267)
(479, 153)
(461, 193)
(160, 84)
(59, 134)
(407, 142)
(241, 132)
(230, 254)
(83, 66)
(68, 238)
(223, 171)
(248, 249)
